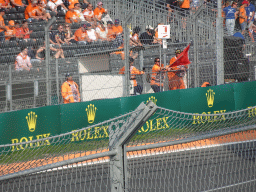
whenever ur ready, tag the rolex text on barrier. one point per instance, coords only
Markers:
(41, 123)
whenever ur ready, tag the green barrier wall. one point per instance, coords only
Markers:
(37, 123)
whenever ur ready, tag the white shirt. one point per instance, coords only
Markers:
(22, 61)
(91, 34)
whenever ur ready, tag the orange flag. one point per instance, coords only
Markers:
(183, 58)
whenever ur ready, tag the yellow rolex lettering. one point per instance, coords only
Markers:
(39, 142)
(251, 112)
(165, 123)
(89, 136)
(97, 133)
(15, 146)
(142, 128)
(223, 116)
(74, 136)
(46, 142)
(105, 129)
(210, 118)
(31, 139)
(151, 126)
(82, 135)
(196, 119)
(23, 139)
(203, 118)
(158, 123)
(216, 117)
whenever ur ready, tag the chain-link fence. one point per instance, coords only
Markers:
(149, 149)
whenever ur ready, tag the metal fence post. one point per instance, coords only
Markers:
(9, 87)
(47, 58)
(57, 81)
(219, 44)
(126, 53)
(120, 133)
(195, 43)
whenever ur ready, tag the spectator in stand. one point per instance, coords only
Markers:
(72, 3)
(19, 30)
(52, 38)
(134, 40)
(2, 25)
(176, 74)
(148, 36)
(111, 32)
(32, 12)
(118, 28)
(156, 39)
(40, 53)
(133, 73)
(89, 14)
(17, 3)
(81, 34)
(102, 31)
(69, 36)
(25, 30)
(242, 16)
(72, 16)
(23, 61)
(99, 10)
(157, 77)
(185, 7)
(84, 4)
(60, 35)
(5, 4)
(42, 11)
(70, 90)
(230, 15)
(250, 12)
(10, 31)
(91, 33)
(55, 5)
(77, 8)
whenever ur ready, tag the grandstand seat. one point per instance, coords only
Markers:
(61, 13)
(33, 35)
(20, 16)
(12, 10)
(22, 43)
(75, 25)
(53, 14)
(12, 44)
(21, 9)
(41, 34)
(13, 17)
(31, 43)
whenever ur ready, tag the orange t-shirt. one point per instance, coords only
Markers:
(2, 22)
(242, 13)
(4, 2)
(111, 33)
(32, 10)
(98, 12)
(19, 2)
(9, 32)
(88, 13)
(72, 15)
(155, 77)
(185, 4)
(118, 29)
(80, 34)
(72, 3)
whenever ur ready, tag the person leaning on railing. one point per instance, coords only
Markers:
(2, 26)
(70, 90)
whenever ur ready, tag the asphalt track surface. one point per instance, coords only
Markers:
(218, 168)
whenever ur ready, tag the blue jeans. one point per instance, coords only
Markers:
(230, 25)
(157, 88)
(138, 89)
(2, 36)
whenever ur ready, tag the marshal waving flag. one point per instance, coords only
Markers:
(182, 58)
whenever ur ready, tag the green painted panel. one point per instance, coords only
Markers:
(245, 95)
(78, 115)
(29, 124)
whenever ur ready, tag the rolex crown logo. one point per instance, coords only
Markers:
(210, 97)
(31, 120)
(153, 99)
(91, 112)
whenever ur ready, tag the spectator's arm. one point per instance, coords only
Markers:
(39, 51)
(63, 6)
(3, 27)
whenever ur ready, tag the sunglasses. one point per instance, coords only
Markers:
(157, 61)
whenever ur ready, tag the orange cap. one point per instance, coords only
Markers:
(11, 22)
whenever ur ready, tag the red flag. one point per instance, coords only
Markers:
(183, 58)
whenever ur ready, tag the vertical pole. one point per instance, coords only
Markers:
(57, 81)
(10, 87)
(47, 58)
(195, 51)
(126, 53)
(219, 44)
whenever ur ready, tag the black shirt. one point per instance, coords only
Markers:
(145, 38)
